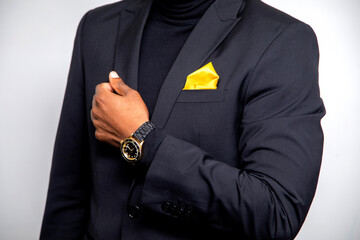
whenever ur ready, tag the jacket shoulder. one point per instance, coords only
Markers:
(262, 24)
(268, 19)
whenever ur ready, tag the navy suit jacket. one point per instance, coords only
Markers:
(238, 162)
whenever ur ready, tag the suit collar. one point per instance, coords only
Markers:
(135, 5)
(229, 9)
(225, 9)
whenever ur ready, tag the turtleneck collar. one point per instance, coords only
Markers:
(181, 11)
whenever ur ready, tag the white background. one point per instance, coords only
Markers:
(36, 39)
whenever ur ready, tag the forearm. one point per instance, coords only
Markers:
(260, 200)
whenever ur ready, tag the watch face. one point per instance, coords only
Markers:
(130, 150)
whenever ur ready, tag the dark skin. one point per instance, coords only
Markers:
(117, 111)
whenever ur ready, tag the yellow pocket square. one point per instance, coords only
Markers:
(203, 78)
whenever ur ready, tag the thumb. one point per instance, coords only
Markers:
(118, 84)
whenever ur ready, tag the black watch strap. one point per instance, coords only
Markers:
(144, 130)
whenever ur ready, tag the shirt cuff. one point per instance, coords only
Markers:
(151, 144)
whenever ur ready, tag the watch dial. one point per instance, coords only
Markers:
(130, 150)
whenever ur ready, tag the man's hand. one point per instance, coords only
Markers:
(117, 110)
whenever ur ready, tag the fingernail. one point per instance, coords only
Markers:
(113, 74)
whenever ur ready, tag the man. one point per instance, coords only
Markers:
(212, 130)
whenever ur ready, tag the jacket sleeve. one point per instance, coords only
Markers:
(280, 149)
(68, 193)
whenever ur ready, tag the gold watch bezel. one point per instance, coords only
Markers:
(138, 145)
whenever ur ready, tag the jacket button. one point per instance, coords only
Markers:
(188, 212)
(165, 207)
(134, 211)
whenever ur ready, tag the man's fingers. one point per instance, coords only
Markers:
(101, 92)
(104, 87)
(93, 115)
(103, 135)
(118, 84)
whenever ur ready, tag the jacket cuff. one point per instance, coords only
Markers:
(151, 144)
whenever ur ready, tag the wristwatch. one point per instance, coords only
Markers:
(131, 147)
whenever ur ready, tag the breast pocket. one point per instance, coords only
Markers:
(199, 96)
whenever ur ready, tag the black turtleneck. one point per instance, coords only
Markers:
(169, 24)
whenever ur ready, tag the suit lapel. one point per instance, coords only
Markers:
(126, 58)
(211, 30)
